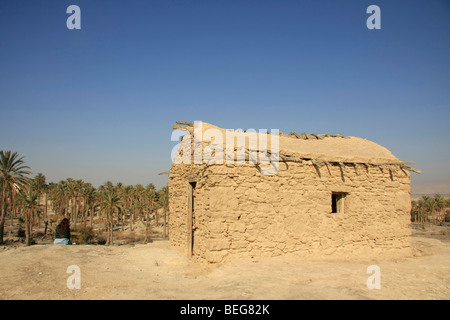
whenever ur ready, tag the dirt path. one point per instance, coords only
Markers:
(156, 271)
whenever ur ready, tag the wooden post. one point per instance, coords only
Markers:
(189, 219)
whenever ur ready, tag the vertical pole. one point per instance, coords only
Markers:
(189, 219)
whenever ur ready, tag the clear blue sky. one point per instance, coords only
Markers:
(98, 103)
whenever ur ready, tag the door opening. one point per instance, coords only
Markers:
(191, 215)
(337, 202)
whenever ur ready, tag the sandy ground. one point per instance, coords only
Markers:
(156, 271)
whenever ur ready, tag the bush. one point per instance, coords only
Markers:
(84, 234)
(100, 237)
(20, 230)
(21, 233)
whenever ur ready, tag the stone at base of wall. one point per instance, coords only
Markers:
(354, 253)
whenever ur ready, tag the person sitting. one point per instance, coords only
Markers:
(62, 235)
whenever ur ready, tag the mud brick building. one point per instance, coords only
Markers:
(332, 197)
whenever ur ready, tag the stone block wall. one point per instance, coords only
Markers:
(239, 212)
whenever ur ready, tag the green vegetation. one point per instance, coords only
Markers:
(29, 200)
(13, 178)
(431, 210)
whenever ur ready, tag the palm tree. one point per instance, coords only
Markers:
(163, 199)
(40, 187)
(127, 196)
(414, 208)
(111, 204)
(120, 190)
(438, 207)
(38, 183)
(30, 209)
(150, 196)
(140, 208)
(77, 193)
(59, 195)
(148, 230)
(107, 186)
(88, 195)
(427, 207)
(13, 176)
(74, 189)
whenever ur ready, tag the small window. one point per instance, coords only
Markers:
(337, 202)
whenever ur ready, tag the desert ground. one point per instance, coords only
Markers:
(157, 271)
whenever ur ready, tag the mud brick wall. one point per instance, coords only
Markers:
(239, 212)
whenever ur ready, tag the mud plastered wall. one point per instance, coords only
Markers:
(239, 212)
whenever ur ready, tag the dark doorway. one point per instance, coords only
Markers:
(191, 215)
(337, 202)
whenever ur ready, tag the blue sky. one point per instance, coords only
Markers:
(98, 103)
